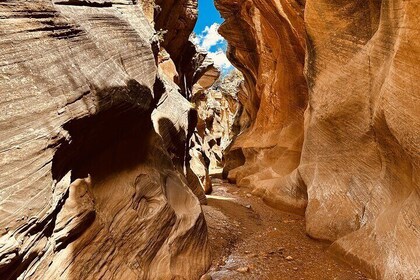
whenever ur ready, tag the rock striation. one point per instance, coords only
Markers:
(90, 181)
(215, 99)
(364, 99)
(110, 119)
(343, 146)
(267, 43)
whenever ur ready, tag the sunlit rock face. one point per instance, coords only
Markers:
(356, 155)
(204, 78)
(220, 110)
(215, 99)
(195, 77)
(88, 186)
(362, 147)
(184, 65)
(266, 42)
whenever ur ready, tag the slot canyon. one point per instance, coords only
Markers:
(126, 152)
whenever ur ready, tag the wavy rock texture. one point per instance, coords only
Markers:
(219, 111)
(88, 189)
(217, 106)
(190, 69)
(183, 136)
(178, 18)
(266, 42)
(205, 76)
(358, 167)
(362, 147)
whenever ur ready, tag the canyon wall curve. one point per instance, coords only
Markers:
(353, 167)
(105, 152)
(87, 173)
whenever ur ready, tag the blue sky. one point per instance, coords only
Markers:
(208, 38)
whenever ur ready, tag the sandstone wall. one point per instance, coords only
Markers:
(362, 147)
(354, 165)
(88, 187)
(219, 112)
(266, 42)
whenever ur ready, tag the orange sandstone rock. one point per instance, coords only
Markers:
(351, 165)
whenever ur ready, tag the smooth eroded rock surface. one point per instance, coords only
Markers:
(267, 43)
(362, 148)
(352, 163)
(88, 187)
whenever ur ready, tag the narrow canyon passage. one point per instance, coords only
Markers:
(201, 139)
(250, 240)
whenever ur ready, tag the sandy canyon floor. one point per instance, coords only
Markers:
(250, 240)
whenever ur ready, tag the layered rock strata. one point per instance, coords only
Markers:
(88, 186)
(351, 164)
(362, 147)
(218, 109)
(266, 42)
(205, 76)
(219, 113)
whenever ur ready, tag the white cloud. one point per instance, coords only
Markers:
(210, 38)
(220, 59)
